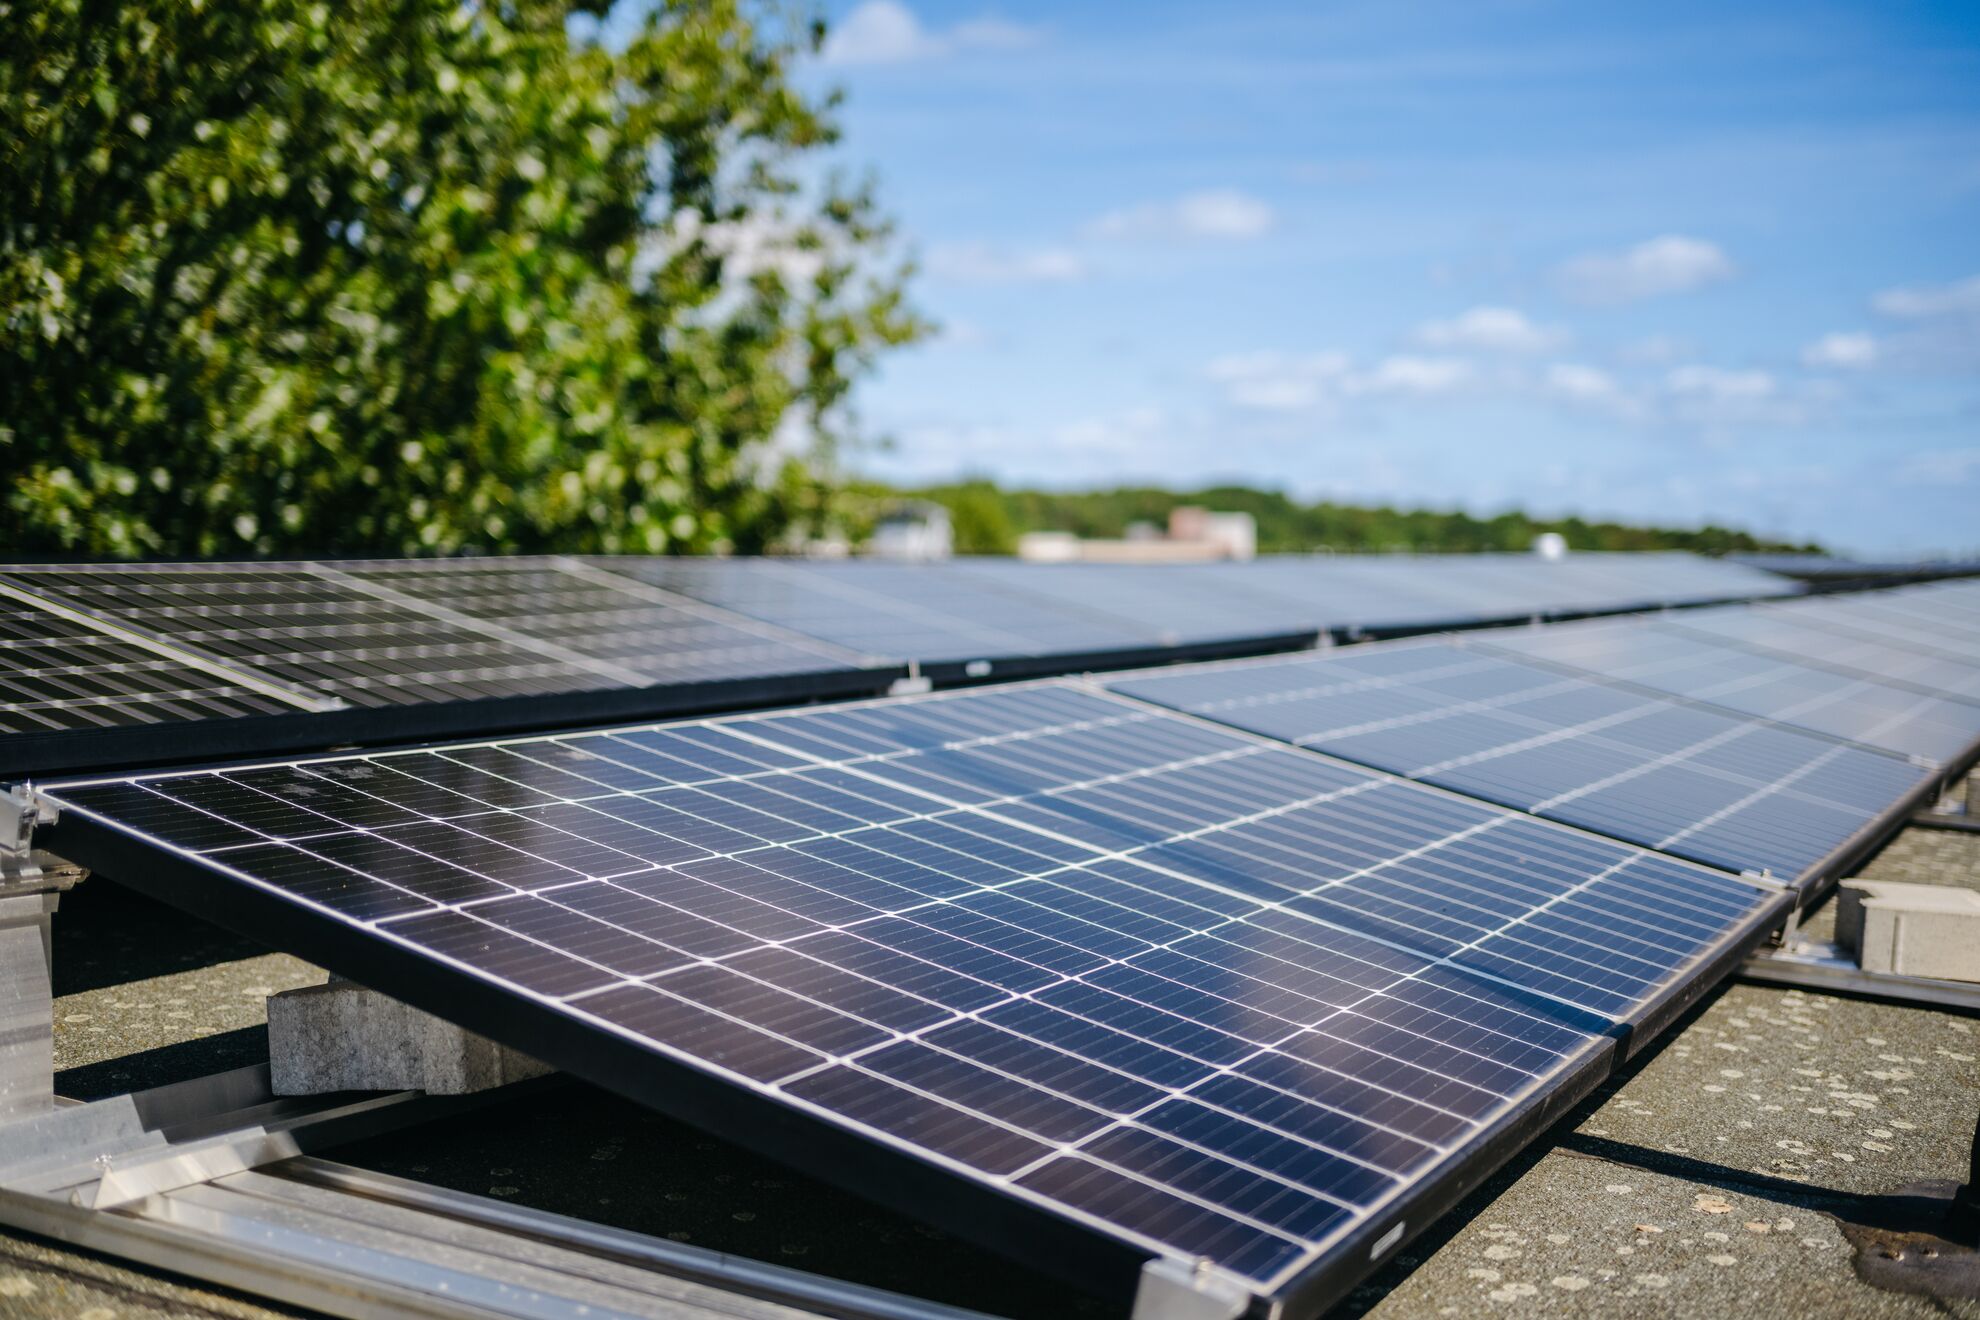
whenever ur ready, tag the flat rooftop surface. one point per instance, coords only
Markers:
(1715, 1175)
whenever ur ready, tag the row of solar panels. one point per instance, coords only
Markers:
(170, 660)
(1256, 964)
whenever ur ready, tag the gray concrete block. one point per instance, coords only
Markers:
(1911, 930)
(343, 1037)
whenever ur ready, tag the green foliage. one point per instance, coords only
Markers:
(400, 276)
(979, 520)
(1284, 525)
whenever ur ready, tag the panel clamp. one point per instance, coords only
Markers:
(21, 809)
(1188, 1290)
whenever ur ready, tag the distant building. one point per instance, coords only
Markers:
(1194, 535)
(1234, 534)
(916, 530)
(1550, 545)
(1049, 547)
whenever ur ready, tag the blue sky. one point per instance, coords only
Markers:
(1678, 263)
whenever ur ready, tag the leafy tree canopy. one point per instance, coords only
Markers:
(402, 276)
(988, 520)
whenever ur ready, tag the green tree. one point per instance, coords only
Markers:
(281, 276)
(977, 517)
(1284, 525)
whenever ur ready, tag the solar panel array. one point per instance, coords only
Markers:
(1181, 966)
(932, 614)
(636, 636)
(1190, 991)
(394, 633)
(1696, 665)
(1717, 787)
(988, 608)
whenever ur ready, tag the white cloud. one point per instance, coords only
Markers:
(1492, 330)
(1847, 351)
(1304, 383)
(1412, 375)
(1581, 384)
(1962, 297)
(887, 32)
(1220, 213)
(1666, 265)
(1124, 436)
(1278, 382)
(1655, 351)
(1719, 384)
(983, 263)
(1940, 467)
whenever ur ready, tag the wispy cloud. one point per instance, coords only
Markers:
(1491, 330)
(1402, 374)
(1719, 383)
(1579, 384)
(986, 263)
(1278, 382)
(1940, 467)
(888, 32)
(1309, 382)
(1960, 298)
(1219, 213)
(1845, 351)
(1655, 351)
(1661, 266)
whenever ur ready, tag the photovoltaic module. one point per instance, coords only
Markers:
(1104, 981)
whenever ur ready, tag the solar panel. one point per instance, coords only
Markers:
(328, 635)
(1936, 619)
(932, 614)
(1811, 634)
(1176, 601)
(1936, 729)
(398, 632)
(59, 673)
(649, 635)
(154, 662)
(1092, 979)
(1728, 790)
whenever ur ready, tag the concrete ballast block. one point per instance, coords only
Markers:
(1909, 929)
(343, 1037)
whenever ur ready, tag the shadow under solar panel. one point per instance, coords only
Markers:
(1086, 979)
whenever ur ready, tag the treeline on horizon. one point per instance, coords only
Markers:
(988, 519)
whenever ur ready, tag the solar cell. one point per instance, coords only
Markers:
(1031, 951)
(1933, 728)
(1728, 790)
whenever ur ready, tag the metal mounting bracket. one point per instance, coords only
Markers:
(1187, 1290)
(21, 809)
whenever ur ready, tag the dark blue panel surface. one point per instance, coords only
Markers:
(1712, 785)
(1210, 995)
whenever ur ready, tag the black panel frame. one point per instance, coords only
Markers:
(130, 747)
(1004, 669)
